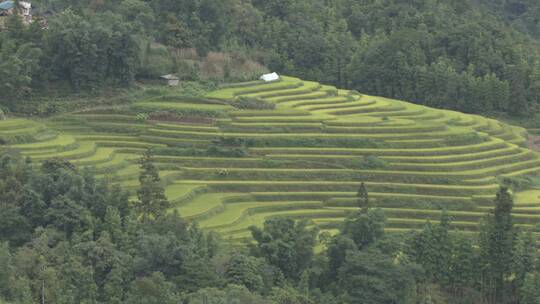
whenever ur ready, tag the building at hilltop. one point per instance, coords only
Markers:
(269, 77)
(7, 8)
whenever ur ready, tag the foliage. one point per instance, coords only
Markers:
(229, 147)
(372, 162)
(73, 239)
(497, 239)
(372, 277)
(285, 244)
(142, 117)
(365, 228)
(363, 198)
(152, 200)
(445, 54)
(249, 103)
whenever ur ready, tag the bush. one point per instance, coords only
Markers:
(332, 92)
(156, 61)
(464, 139)
(2, 115)
(372, 162)
(229, 147)
(142, 117)
(252, 103)
(516, 183)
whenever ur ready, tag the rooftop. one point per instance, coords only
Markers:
(6, 5)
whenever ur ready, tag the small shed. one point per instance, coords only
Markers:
(270, 77)
(171, 79)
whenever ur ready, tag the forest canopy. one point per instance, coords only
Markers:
(473, 57)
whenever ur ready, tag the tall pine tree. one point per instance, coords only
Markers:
(363, 198)
(497, 238)
(152, 201)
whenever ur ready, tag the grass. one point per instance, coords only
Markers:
(304, 159)
(180, 105)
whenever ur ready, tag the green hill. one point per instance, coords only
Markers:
(234, 160)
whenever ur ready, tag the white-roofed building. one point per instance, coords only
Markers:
(270, 77)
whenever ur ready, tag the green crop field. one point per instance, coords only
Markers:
(230, 168)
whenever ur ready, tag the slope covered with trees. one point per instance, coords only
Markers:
(463, 55)
(66, 237)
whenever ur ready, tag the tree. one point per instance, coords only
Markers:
(244, 270)
(337, 252)
(153, 289)
(286, 244)
(497, 238)
(152, 200)
(464, 259)
(17, 66)
(371, 277)
(529, 293)
(432, 249)
(363, 198)
(66, 215)
(290, 296)
(229, 294)
(524, 259)
(365, 228)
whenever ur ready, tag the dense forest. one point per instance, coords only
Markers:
(70, 235)
(473, 56)
(66, 237)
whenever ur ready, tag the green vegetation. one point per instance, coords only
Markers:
(475, 56)
(67, 236)
(226, 166)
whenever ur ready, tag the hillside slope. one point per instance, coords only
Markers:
(232, 168)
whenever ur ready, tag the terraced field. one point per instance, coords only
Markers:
(304, 159)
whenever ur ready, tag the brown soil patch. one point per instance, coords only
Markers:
(534, 142)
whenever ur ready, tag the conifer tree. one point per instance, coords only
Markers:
(152, 200)
(363, 198)
(497, 245)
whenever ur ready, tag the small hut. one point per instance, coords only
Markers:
(269, 77)
(172, 80)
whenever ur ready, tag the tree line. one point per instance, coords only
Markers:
(471, 56)
(67, 237)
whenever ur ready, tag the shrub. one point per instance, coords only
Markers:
(252, 103)
(223, 172)
(188, 71)
(2, 115)
(332, 92)
(156, 61)
(226, 151)
(464, 139)
(229, 147)
(372, 162)
(142, 117)
(516, 183)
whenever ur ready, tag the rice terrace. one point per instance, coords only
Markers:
(297, 149)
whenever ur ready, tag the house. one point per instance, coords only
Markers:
(7, 8)
(172, 80)
(269, 77)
